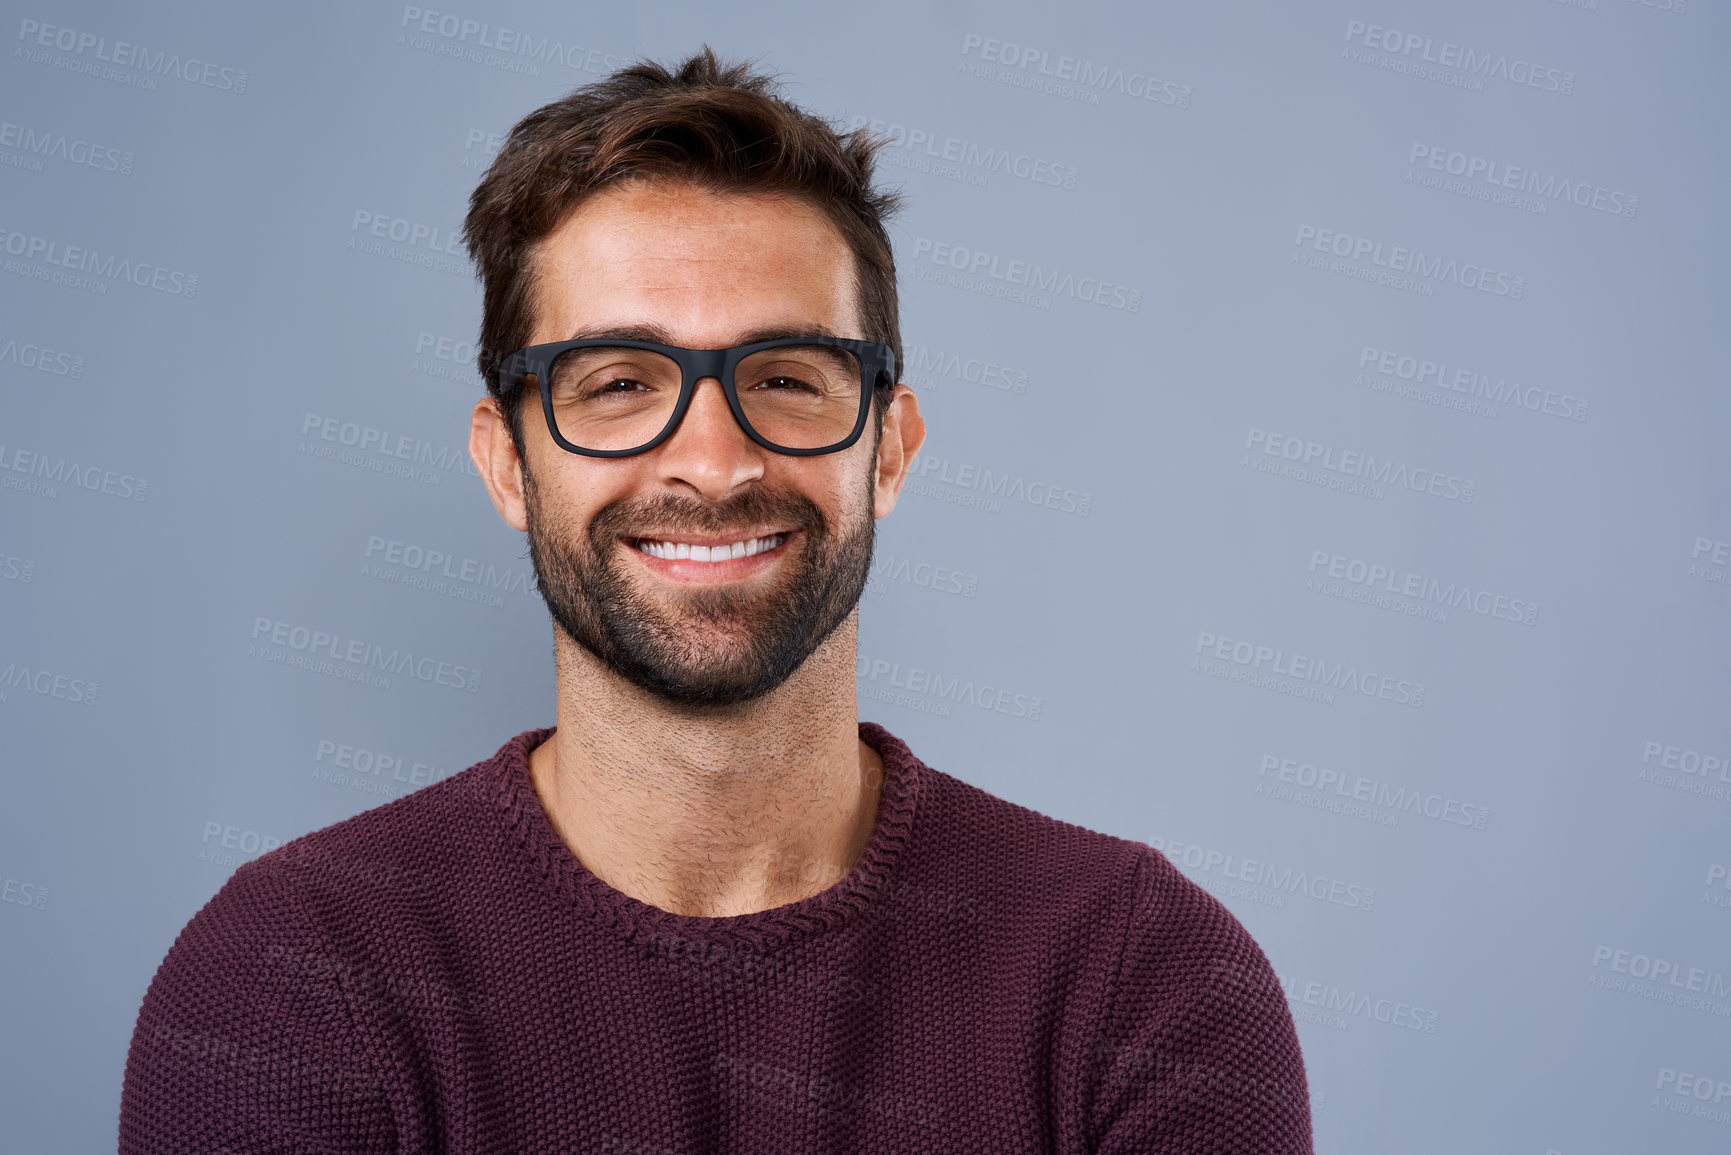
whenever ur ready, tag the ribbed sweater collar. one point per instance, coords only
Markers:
(532, 831)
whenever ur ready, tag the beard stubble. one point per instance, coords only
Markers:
(704, 647)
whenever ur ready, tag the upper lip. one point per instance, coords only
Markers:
(707, 539)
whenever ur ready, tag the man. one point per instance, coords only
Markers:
(709, 910)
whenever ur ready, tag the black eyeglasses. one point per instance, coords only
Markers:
(611, 398)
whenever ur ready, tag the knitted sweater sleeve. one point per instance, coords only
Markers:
(1198, 1052)
(245, 1043)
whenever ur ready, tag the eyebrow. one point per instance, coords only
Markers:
(656, 334)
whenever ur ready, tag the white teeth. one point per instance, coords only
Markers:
(671, 550)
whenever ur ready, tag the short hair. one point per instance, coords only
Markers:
(721, 127)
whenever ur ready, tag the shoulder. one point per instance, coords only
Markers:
(354, 884)
(1016, 857)
(407, 849)
(246, 1024)
(1033, 885)
(381, 858)
(1133, 894)
(1187, 1024)
(1196, 1037)
(1020, 845)
(268, 1007)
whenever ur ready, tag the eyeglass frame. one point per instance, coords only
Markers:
(876, 361)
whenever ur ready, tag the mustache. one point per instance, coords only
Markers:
(670, 513)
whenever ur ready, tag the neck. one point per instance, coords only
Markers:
(711, 812)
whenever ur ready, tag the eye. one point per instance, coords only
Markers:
(615, 387)
(785, 383)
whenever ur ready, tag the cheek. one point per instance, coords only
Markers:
(569, 493)
(851, 492)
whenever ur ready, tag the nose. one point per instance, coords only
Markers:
(709, 453)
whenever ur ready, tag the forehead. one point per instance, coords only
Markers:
(704, 266)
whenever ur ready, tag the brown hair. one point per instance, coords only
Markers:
(719, 126)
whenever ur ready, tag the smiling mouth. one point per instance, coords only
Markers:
(723, 551)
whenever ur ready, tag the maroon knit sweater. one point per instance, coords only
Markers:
(442, 974)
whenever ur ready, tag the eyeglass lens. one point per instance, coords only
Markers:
(613, 398)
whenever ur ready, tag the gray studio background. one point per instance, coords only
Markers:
(1325, 483)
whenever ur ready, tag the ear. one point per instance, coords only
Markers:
(904, 433)
(495, 456)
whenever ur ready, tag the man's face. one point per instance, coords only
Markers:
(672, 263)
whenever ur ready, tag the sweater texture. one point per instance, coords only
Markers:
(441, 974)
